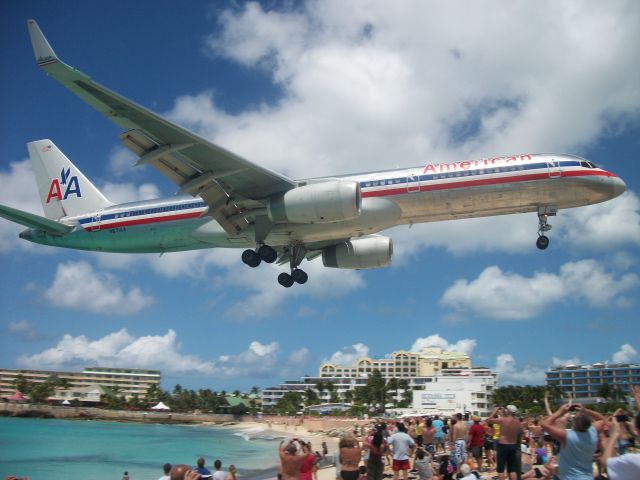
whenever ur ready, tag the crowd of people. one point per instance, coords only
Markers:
(572, 443)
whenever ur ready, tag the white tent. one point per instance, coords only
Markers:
(160, 406)
(66, 402)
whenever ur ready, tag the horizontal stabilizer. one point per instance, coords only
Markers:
(34, 221)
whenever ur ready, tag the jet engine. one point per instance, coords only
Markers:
(324, 202)
(358, 253)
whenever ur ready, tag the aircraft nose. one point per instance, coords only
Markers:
(619, 187)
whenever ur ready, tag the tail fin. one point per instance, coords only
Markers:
(64, 190)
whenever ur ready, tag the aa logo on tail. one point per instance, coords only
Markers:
(70, 184)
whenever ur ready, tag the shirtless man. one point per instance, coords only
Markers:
(508, 453)
(290, 461)
(459, 434)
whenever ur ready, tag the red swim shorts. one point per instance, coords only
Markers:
(400, 465)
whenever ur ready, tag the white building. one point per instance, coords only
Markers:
(462, 390)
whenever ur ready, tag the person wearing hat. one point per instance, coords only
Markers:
(508, 450)
(476, 440)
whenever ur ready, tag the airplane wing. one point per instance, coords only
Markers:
(230, 184)
(34, 221)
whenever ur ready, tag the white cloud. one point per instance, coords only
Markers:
(23, 330)
(120, 162)
(604, 226)
(128, 192)
(626, 354)
(509, 373)
(164, 352)
(357, 62)
(18, 191)
(510, 296)
(78, 286)
(558, 362)
(465, 345)
(347, 356)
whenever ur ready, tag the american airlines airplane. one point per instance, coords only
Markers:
(227, 201)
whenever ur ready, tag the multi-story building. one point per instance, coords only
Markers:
(402, 364)
(430, 369)
(128, 382)
(585, 381)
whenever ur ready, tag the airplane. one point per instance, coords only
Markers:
(227, 201)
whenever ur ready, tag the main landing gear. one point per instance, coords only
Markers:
(265, 253)
(543, 227)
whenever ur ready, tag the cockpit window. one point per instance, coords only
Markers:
(592, 165)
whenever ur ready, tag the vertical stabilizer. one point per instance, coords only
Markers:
(64, 190)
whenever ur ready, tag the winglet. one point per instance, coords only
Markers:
(41, 48)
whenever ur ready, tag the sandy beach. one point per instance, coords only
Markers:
(275, 430)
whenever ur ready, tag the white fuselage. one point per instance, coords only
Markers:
(447, 191)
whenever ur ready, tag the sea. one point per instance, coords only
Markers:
(50, 449)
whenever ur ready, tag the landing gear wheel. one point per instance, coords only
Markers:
(542, 243)
(267, 253)
(299, 276)
(251, 258)
(285, 280)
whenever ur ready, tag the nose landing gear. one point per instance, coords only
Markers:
(543, 227)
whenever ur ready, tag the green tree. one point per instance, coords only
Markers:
(21, 384)
(39, 392)
(311, 397)
(289, 404)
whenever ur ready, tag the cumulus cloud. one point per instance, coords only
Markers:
(465, 345)
(164, 352)
(120, 162)
(18, 191)
(347, 356)
(509, 373)
(626, 354)
(23, 330)
(510, 296)
(357, 62)
(78, 286)
(129, 192)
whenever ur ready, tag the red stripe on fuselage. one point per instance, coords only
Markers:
(428, 186)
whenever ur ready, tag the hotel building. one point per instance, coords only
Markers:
(430, 370)
(584, 381)
(129, 382)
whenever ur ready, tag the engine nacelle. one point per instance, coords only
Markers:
(324, 202)
(358, 253)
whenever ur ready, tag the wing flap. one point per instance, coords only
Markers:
(34, 221)
(246, 178)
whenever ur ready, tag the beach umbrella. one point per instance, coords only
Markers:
(17, 397)
(66, 402)
(160, 406)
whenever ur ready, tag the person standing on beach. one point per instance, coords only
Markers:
(290, 461)
(166, 468)
(202, 470)
(218, 474)
(402, 446)
(350, 455)
(377, 448)
(125, 476)
(508, 449)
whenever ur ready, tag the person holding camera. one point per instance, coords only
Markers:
(508, 447)
(577, 444)
(625, 465)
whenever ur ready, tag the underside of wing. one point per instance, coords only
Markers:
(230, 184)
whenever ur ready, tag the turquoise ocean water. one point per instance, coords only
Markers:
(46, 449)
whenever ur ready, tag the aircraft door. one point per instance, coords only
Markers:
(413, 183)
(554, 168)
(95, 223)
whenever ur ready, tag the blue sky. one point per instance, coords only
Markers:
(329, 88)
